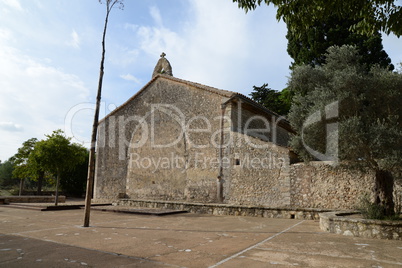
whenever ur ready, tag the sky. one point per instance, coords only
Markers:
(50, 52)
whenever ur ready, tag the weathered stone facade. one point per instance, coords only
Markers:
(177, 140)
(181, 141)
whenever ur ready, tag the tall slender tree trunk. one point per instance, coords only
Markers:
(383, 191)
(91, 166)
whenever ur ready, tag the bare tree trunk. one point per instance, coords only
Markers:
(383, 191)
(91, 166)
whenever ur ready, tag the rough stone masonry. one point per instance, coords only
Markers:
(180, 140)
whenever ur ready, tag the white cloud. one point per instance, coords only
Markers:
(158, 38)
(221, 46)
(5, 34)
(122, 56)
(130, 77)
(75, 40)
(15, 4)
(35, 98)
(156, 16)
(10, 126)
(130, 26)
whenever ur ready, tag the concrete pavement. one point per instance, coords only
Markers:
(30, 238)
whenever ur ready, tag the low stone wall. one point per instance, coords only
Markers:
(319, 185)
(226, 209)
(31, 199)
(339, 223)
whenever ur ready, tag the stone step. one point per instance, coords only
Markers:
(140, 211)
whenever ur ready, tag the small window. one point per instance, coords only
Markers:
(237, 162)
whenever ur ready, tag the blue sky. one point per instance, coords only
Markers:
(50, 55)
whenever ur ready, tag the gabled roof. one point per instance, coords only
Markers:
(224, 93)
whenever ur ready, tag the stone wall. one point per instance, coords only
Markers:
(320, 185)
(343, 223)
(259, 173)
(179, 160)
(164, 144)
(225, 209)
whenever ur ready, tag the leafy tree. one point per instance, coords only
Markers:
(74, 180)
(26, 167)
(310, 46)
(6, 173)
(57, 154)
(370, 16)
(91, 166)
(366, 105)
(271, 99)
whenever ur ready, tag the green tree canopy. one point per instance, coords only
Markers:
(311, 46)
(74, 180)
(342, 112)
(6, 173)
(371, 16)
(276, 101)
(57, 154)
(22, 168)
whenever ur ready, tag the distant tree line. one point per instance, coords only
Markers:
(55, 162)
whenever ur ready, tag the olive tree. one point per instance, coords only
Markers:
(343, 112)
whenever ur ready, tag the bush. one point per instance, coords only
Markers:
(370, 210)
(373, 211)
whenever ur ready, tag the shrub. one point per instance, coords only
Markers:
(371, 210)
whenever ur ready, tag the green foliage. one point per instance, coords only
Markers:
(373, 211)
(370, 210)
(370, 114)
(365, 128)
(56, 154)
(6, 174)
(273, 100)
(371, 16)
(24, 168)
(310, 46)
(74, 181)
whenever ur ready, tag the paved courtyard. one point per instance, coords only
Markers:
(31, 238)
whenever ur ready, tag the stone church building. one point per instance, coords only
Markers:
(180, 140)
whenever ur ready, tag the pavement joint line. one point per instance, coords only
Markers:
(254, 246)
